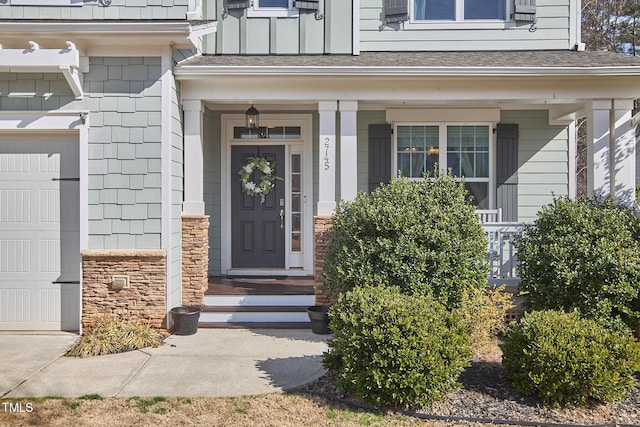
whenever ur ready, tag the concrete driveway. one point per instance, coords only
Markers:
(212, 362)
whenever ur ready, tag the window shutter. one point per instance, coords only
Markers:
(525, 10)
(308, 5)
(507, 171)
(396, 10)
(379, 155)
(238, 4)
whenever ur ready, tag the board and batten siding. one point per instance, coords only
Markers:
(543, 160)
(239, 33)
(118, 9)
(552, 32)
(212, 128)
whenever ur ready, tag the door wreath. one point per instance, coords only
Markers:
(266, 184)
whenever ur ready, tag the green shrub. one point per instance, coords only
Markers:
(113, 335)
(395, 349)
(421, 236)
(565, 359)
(583, 255)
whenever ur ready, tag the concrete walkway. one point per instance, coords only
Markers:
(212, 362)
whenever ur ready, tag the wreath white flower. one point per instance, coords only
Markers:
(266, 184)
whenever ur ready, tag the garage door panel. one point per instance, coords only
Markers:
(39, 237)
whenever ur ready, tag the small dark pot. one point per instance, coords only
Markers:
(319, 316)
(185, 319)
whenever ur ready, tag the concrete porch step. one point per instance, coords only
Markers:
(259, 300)
(254, 316)
(254, 325)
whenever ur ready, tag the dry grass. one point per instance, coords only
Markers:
(278, 409)
(113, 335)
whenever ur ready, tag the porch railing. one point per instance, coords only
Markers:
(501, 252)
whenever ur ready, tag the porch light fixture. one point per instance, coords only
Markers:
(251, 118)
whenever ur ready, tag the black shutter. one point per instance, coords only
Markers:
(308, 5)
(238, 4)
(507, 171)
(525, 10)
(396, 10)
(379, 155)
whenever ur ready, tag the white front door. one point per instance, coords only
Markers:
(39, 232)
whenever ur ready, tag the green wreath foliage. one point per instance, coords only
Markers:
(266, 184)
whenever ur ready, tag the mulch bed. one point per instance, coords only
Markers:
(487, 394)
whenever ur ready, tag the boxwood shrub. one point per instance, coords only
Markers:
(583, 255)
(395, 349)
(565, 359)
(421, 236)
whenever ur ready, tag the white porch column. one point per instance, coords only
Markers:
(598, 152)
(624, 153)
(193, 159)
(327, 157)
(348, 150)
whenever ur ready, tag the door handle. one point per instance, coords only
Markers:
(281, 218)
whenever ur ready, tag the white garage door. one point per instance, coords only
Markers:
(39, 232)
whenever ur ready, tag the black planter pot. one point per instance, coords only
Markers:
(319, 316)
(185, 319)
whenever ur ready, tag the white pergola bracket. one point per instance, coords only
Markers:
(37, 60)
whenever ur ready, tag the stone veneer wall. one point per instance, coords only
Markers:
(195, 258)
(322, 228)
(144, 299)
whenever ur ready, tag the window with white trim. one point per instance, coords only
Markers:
(278, 8)
(458, 10)
(465, 149)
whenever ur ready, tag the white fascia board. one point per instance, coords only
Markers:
(179, 32)
(187, 72)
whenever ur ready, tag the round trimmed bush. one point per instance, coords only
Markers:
(422, 236)
(583, 255)
(565, 359)
(395, 349)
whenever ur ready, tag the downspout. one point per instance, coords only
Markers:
(612, 150)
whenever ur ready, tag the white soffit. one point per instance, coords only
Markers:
(35, 60)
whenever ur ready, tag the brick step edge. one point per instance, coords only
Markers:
(254, 325)
(254, 309)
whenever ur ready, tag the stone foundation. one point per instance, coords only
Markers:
(322, 230)
(144, 299)
(195, 258)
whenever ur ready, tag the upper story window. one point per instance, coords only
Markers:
(280, 8)
(458, 10)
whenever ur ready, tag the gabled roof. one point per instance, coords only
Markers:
(470, 63)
